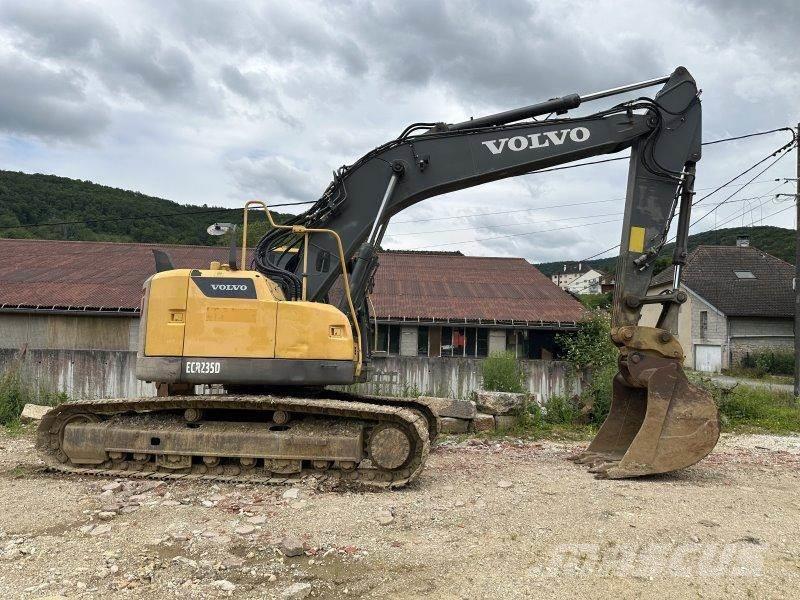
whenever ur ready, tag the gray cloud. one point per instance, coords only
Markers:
(266, 98)
(274, 177)
(141, 66)
(43, 102)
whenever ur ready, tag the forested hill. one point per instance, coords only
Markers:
(773, 240)
(89, 211)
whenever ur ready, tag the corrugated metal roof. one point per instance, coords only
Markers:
(109, 276)
(711, 272)
(438, 286)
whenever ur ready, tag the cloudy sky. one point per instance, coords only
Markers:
(218, 102)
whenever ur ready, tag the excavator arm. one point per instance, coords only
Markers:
(664, 134)
(658, 421)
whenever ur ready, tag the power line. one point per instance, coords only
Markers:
(783, 148)
(537, 222)
(769, 166)
(497, 237)
(113, 219)
(605, 160)
(537, 208)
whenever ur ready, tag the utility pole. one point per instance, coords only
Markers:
(797, 277)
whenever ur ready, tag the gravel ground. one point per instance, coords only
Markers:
(485, 519)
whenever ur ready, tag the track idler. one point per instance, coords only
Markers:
(658, 421)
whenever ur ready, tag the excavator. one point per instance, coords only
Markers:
(270, 335)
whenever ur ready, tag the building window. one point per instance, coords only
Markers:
(422, 341)
(388, 339)
(745, 274)
(703, 324)
(482, 343)
(465, 341)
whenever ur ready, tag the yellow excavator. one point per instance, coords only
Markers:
(271, 330)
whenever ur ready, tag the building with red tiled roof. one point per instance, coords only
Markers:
(432, 304)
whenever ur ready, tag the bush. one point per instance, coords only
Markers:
(560, 410)
(502, 373)
(16, 392)
(591, 348)
(770, 362)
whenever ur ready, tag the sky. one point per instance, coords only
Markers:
(219, 102)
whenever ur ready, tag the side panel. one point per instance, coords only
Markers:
(311, 330)
(165, 313)
(220, 324)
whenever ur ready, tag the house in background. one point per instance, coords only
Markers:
(592, 282)
(741, 300)
(569, 273)
(449, 305)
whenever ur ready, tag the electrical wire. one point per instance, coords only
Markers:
(537, 208)
(627, 157)
(784, 150)
(115, 219)
(537, 222)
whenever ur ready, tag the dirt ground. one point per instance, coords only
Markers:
(486, 519)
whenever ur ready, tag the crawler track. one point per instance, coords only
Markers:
(416, 421)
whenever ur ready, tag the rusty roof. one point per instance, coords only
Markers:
(442, 286)
(108, 276)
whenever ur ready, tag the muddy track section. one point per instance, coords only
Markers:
(410, 416)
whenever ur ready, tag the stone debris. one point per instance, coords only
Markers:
(449, 407)
(100, 530)
(106, 515)
(291, 546)
(224, 585)
(500, 403)
(32, 413)
(291, 494)
(504, 484)
(245, 529)
(257, 520)
(483, 422)
(114, 486)
(385, 517)
(452, 425)
(297, 591)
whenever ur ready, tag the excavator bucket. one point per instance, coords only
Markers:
(658, 421)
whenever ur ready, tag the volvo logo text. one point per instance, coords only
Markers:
(537, 140)
(228, 287)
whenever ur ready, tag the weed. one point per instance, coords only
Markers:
(502, 373)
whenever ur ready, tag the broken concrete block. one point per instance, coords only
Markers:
(33, 412)
(483, 422)
(450, 407)
(500, 403)
(452, 425)
(505, 421)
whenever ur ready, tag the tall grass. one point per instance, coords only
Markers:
(16, 391)
(760, 408)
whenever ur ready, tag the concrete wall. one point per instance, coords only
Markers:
(81, 374)
(456, 377)
(78, 332)
(751, 334)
